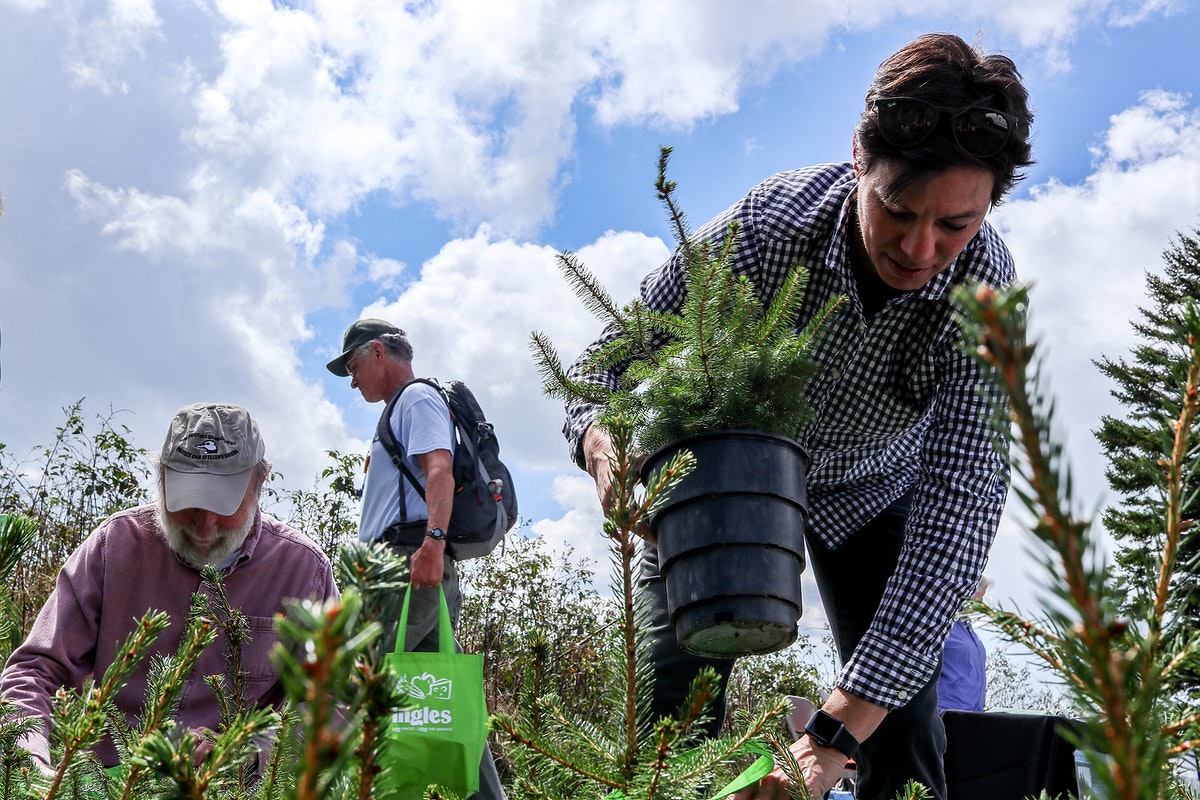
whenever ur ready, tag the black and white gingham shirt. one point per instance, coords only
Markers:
(898, 407)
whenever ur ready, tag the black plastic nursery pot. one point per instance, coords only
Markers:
(731, 542)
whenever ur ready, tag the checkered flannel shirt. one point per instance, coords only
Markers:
(898, 406)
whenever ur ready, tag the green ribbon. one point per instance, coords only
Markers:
(749, 777)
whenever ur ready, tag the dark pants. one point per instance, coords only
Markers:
(909, 744)
(674, 668)
(911, 741)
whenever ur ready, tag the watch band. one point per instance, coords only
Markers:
(828, 731)
(436, 533)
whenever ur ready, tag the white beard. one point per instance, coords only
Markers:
(179, 539)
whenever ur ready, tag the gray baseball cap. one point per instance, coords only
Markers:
(208, 457)
(358, 334)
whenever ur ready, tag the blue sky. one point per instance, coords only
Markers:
(199, 196)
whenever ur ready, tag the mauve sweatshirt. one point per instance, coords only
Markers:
(125, 569)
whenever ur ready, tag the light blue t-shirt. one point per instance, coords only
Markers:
(421, 422)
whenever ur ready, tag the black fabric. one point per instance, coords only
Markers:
(674, 668)
(483, 487)
(1004, 756)
(406, 533)
(909, 743)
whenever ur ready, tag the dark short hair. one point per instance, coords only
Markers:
(944, 70)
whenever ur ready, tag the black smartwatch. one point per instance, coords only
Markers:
(436, 533)
(828, 731)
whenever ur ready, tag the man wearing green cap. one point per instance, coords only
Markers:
(210, 473)
(377, 357)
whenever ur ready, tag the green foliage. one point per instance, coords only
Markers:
(557, 752)
(723, 362)
(1011, 684)
(792, 671)
(535, 617)
(323, 664)
(1145, 384)
(378, 577)
(18, 776)
(79, 717)
(328, 511)
(1118, 671)
(67, 488)
(18, 537)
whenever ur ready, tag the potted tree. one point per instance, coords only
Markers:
(725, 379)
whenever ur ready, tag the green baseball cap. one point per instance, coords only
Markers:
(358, 334)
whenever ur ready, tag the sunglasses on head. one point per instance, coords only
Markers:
(977, 130)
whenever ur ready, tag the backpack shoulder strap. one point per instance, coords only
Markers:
(387, 438)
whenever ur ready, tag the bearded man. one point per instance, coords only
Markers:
(210, 473)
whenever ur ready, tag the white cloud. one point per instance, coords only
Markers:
(679, 62)
(28, 6)
(1087, 247)
(1123, 17)
(475, 306)
(471, 106)
(179, 212)
(580, 528)
(104, 43)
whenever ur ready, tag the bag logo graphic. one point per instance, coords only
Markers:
(425, 687)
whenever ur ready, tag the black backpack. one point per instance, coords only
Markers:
(485, 500)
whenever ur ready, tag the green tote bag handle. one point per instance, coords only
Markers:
(445, 632)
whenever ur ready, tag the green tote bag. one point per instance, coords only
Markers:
(439, 737)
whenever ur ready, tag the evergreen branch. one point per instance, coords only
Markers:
(378, 700)
(164, 686)
(1176, 467)
(1183, 747)
(589, 289)
(701, 306)
(163, 692)
(233, 624)
(281, 760)
(81, 725)
(621, 524)
(18, 535)
(787, 298)
(1115, 664)
(541, 747)
(319, 644)
(785, 759)
(1040, 640)
(1182, 725)
(666, 195)
(698, 762)
(377, 578)
(555, 380)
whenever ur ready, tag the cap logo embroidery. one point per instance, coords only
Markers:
(207, 448)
